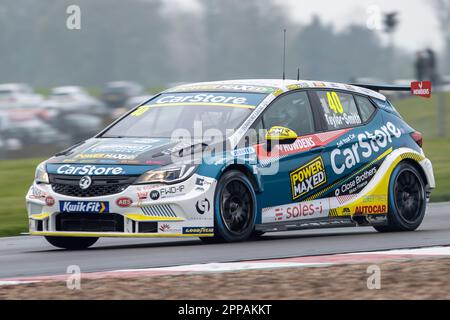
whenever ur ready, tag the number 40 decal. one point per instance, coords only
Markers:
(334, 102)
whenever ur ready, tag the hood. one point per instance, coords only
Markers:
(125, 151)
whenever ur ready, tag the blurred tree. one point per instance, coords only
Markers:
(145, 41)
(118, 40)
(442, 8)
(355, 52)
(243, 38)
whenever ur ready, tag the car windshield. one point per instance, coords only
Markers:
(166, 113)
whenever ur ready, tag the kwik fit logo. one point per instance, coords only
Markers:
(84, 206)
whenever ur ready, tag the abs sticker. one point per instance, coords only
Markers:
(308, 178)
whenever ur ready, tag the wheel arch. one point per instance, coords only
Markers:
(418, 167)
(247, 172)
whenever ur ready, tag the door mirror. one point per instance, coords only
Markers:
(281, 135)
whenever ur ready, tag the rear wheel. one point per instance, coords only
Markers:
(234, 210)
(407, 200)
(72, 243)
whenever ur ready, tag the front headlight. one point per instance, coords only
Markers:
(169, 174)
(41, 175)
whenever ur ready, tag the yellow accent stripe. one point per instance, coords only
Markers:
(245, 106)
(377, 196)
(140, 217)
(117, 235)
(41, 216)
(383, 155)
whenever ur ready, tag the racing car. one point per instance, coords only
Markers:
(231, 160)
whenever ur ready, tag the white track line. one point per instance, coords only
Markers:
(299, 262)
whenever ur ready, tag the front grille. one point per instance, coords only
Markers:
(148, 227)
(101, 185)
(86, 222)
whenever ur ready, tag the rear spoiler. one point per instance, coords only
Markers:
(382, 87)
(417, 88)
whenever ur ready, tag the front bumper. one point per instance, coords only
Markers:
(180, 210)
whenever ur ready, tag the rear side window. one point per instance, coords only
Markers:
(366, 108)
(339, 109)
(386, 106)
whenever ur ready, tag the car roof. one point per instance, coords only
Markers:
(14, 86)
(275, 86)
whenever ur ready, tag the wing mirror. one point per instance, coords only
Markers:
(280, 135)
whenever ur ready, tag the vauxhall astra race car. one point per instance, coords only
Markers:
(226, 161)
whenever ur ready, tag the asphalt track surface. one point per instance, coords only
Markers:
(28, 256)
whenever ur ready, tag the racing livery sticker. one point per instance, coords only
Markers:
(308, 178)
(421, 88)
(339, 109)
(302, 144)
(225, 99)
(374, 209)
(128, 150)
(367, 145)
(96, 170)
(224, 87)
(356, 182)
(296, 211)
(84, 206)
(198, 230)
(124, 202)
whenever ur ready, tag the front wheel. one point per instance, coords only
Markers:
(235, 208)
(72, 243)
(407, 200)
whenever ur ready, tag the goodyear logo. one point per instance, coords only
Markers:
(198, 230)
(308, 178)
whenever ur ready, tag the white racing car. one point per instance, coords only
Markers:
(225, 161)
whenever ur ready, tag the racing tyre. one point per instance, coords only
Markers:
(72, 243)
(407, 200)
(234, 209)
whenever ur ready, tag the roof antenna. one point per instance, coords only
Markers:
(298, 74)
(284, 54)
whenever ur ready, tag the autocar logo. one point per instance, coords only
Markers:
(85, 182)
(202, 206)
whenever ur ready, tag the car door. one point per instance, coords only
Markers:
(353, 127)
(289, 172)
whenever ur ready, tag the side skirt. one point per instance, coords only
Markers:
(324, 223)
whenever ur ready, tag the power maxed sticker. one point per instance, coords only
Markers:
(308, 178)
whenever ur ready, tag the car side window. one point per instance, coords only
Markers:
(339, 109)
(366, 108)
(292, 111)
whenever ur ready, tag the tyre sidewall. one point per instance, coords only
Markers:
(394, 217)
(220, 230)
